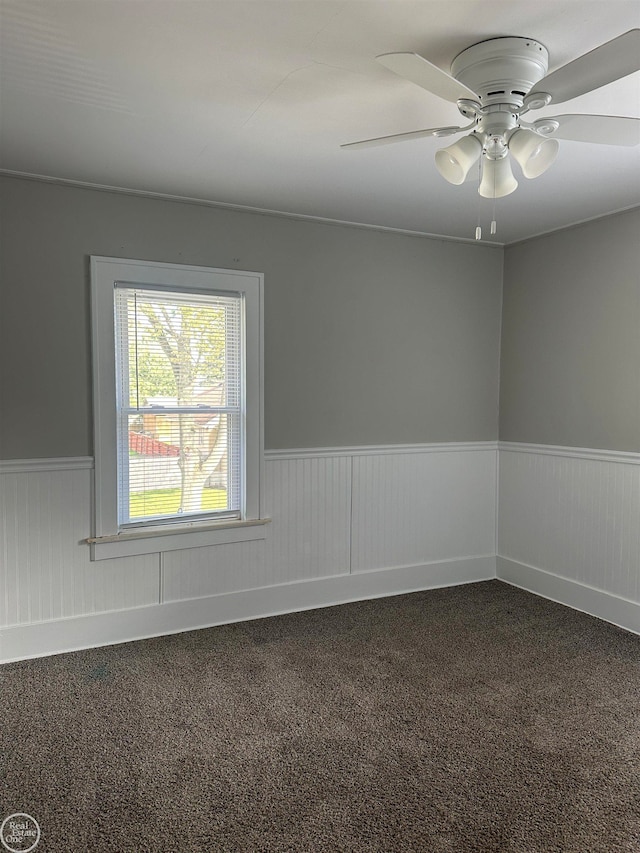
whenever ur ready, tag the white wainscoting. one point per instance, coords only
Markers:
(347, 524)
(308, 500)
(421, 507)
(569, 527)
(45, 570)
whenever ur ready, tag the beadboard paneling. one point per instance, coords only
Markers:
(575, 515)
(423, 507)
(344, 522)
(45, 570)
(441, 499)
(308, 500)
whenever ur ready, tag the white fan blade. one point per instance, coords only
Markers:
(403, 137)
(603, 130)
(604, 64)
(423, 73)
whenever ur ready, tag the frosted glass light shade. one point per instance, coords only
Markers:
(497, 178)
(454, 162)
(534, 153)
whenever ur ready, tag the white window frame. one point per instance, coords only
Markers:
(108, 540)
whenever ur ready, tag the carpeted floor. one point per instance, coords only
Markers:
(468, 720)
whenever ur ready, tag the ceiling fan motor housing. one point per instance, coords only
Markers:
(502, 70)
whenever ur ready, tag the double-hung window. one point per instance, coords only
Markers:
(177, 406)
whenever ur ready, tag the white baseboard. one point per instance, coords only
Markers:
(103, 629)
(604, 605)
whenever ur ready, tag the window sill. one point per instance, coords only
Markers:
(131, 543)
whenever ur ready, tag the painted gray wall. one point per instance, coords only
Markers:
(570, 365)
(370, 337)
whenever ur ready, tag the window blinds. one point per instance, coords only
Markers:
(179, 389)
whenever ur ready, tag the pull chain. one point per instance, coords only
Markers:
(494, 224)
(478, 228)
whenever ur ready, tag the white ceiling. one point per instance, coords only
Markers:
(247, 103)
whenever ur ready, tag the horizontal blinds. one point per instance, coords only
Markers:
(179, 396)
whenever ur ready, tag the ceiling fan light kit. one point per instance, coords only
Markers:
(497, 179)
(533, 154)
(455, 161)
(494, 84)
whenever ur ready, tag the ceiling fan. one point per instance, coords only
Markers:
(494, 84)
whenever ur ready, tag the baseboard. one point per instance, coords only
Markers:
(604, 605)
(103, 629)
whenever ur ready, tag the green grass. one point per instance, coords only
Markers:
(167, 501)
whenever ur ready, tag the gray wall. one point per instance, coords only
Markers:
(370, 337)
(570, 365)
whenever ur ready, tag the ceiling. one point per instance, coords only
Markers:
(247, 103)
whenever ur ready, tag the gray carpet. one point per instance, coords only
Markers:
(467, 720)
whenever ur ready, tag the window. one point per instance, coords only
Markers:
(177, 406)
(179, 386)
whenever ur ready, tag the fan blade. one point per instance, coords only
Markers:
(423, 73)
(604, 64)
(603, 130)
(403, 137)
